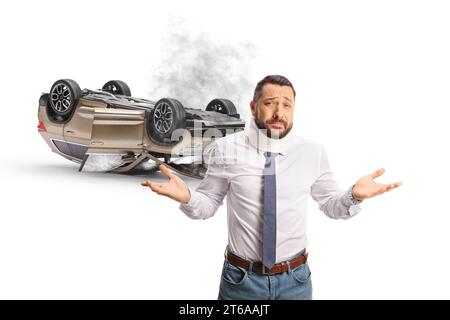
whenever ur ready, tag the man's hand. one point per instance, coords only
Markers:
(175, 188)
(366, 187)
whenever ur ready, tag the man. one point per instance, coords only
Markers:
(267, 174)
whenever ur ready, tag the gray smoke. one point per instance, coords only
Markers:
(195, 68)
(102, 162)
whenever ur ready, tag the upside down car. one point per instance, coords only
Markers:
(84, 124)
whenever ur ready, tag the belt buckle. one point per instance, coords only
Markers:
(263, 271)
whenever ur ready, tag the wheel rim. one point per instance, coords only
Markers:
(61, 97)
(218, 107)
(163, 117)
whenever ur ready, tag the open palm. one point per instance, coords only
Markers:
(366, 187)
(174, 188)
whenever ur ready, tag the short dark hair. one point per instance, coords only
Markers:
(273, 79)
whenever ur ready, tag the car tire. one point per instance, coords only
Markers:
(166, 116)
(64, 96)
(117, 87)
(224, 106)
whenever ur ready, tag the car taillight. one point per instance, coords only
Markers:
(41, 127)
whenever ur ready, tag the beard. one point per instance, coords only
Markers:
(268, 132)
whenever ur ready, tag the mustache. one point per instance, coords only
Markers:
(277, 120)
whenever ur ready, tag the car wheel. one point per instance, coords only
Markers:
(224, 106)
(64, 96)
(117, 87)
(166, 116)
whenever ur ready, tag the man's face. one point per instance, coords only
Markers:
(274, 110)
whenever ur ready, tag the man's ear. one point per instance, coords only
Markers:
(253, 107)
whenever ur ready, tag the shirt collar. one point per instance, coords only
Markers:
(263, 143)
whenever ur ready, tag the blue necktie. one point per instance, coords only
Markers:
(270, 211)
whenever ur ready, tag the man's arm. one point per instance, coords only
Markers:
(332, 200)
(338, 204)
(203, 202)
(209, 195)
(207, 198)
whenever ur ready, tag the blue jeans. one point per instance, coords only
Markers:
(240, 284)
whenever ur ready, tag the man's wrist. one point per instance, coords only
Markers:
(189, 199)
(352, 198)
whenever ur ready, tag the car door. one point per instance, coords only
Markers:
(116, 129)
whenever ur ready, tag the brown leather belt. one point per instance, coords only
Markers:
(259, 268)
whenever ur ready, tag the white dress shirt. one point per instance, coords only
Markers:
(235, 170)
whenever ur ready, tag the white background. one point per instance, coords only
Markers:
(372, 79)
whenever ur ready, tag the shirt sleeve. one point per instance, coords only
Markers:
(209, 195)
(332, 200)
